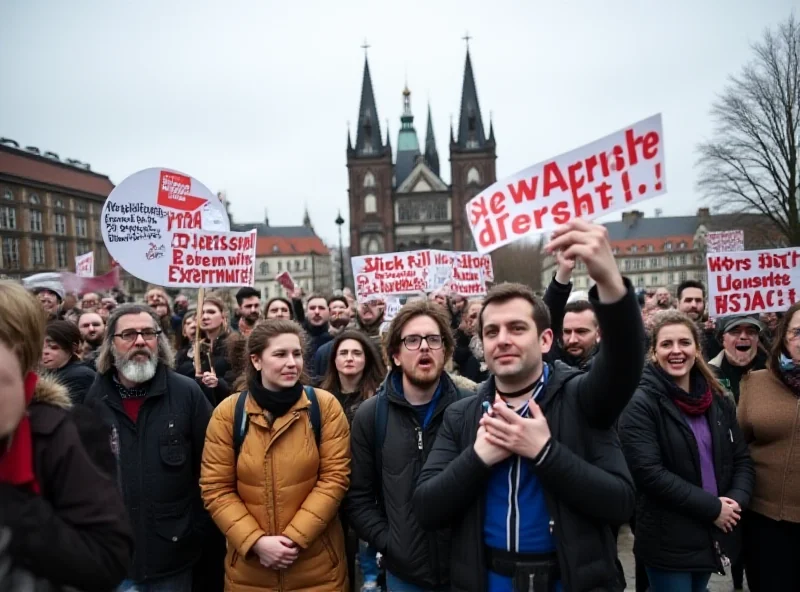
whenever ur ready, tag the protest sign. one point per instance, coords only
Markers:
(286, 280)
(607, 175)
(745, 282)
(168, 229)
(84, 265)
(724, 241)
(467, 282)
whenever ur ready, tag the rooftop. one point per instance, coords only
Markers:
(267, 246)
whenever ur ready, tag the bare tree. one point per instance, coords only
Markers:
(751, 164)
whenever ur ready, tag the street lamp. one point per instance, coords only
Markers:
(339, 222)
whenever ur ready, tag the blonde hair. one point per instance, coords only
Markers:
(669, 317)
(21, 324)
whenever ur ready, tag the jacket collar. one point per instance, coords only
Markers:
(560, 374)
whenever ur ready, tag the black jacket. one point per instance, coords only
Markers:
(588, 488)
(76, 531)
(221, 365)
(390, 525)
(159, 459)
(468, 365)
(674, 514)
(556, 297)
(77, 378)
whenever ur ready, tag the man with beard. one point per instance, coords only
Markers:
(316, 325)
(392, 434)
(92, 330)
(740, 351)
(663, 299)
(580, 334)
(339, 315)
(529, 473)
(692, 302)
(249, 301)
(159, 421)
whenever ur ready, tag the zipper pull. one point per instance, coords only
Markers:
(419, 438)
(552, 525)
(730, 433)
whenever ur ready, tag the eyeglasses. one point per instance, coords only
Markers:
(130, 335)
(414, 342)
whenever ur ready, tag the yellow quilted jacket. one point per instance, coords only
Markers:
(282, 485)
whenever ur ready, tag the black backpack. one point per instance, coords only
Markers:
(241, 422)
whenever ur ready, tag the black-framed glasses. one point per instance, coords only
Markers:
(414, 342)
(130, 335)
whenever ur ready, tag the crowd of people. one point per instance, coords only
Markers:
(309, 443)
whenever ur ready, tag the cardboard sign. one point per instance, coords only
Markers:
(607, 175)
(168, 229)
(286, 280)
(724, 241)
(415, 272)
(84, 265)
(746, 282)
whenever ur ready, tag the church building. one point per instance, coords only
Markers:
(399, 201)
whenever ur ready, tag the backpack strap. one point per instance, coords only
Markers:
(314, 414)
(379, 434)
(240, 424)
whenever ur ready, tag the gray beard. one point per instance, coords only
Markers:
(138, 372)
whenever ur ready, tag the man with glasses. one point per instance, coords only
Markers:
(392, 434)
(159, 421)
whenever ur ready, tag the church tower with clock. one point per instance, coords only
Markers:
(399, 201)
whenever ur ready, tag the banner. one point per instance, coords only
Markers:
(605, 176)
(84, 265)
(168, 229)
(65, 282)
(425, 271)
(724, 241)
(286, 280)
(747, 282)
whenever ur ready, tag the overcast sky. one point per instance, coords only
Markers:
(254, 97)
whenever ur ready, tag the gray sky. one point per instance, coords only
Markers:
(254, 97)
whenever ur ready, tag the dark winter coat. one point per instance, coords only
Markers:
(76, 531)
(219, 362)
(674, 515)
(160, 469)
(382, 515)
(588, 489)
(77, 378)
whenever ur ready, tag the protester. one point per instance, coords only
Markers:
(50, 298)
(768, 415)
(276, 498)
(278, 308)
(316, 325)
(689, 462)
(393, 433)
(740, 352)
(692, 302)
(61, 517)
(528, 473)
(185, 339)
(580, 334)
(90, 300)
(249, 301)
(340, 318)
(159, 419)
(355, 371)
(92, 328)
(107, 306)
(464, 357)
(214, 374)
(62, 343)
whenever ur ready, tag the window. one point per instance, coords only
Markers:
(280, 265)
(670, 261)
(668, 246)
(370, 204)
(682, 260)
(640, 280)
(80, 227)
(473, 176)
(264, 268)
(373, 246)
(10, 252)
(34, 199)
(653, 280)
(8, 194)
(649, 248)
(428, 209)
(305, 264)
(83, 248)
(670, 278)
(8, 218)
(615, 250)
(36, 221)
(682, 245)
(37, 251)
(81, 207)
(634, 249)
(682, 276)
(61, 255)
(627, 264)
(637, 263)
(297, 264)
(653, 262)
(369, 180)
(61, 224)
(59, 203)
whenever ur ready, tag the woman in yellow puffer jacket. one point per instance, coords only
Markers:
(277, 503)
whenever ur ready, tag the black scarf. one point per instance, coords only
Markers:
(316, 330)
(277, 403)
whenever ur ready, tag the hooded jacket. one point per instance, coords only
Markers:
(674, 515)
(76, 532)
(281, 484)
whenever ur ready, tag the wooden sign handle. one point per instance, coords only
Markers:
(198, 368)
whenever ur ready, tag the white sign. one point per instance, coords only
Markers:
(168, 229)
(605, 176)
(746, 282)
(724, 241)
(84, 265)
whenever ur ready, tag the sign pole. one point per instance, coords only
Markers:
(201, 294)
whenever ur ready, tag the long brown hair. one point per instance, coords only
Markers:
(669, 317)
(258, 341)
(778, 347)
(21, 324)
(373, 374)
